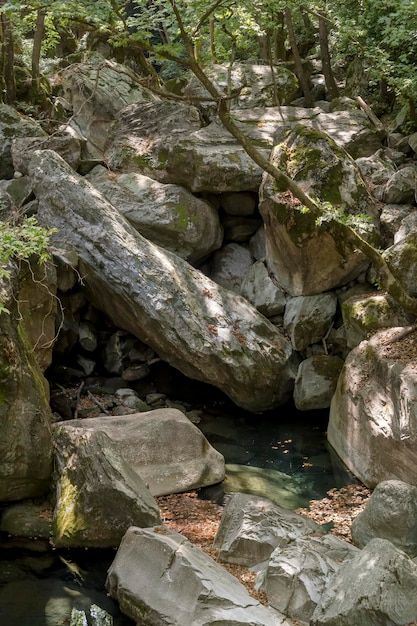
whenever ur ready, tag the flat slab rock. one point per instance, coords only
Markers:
(159, 577)
(168, 452)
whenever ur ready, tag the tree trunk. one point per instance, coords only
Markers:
(299, 70)
(279, 39)
(7, 56)
(331, 85)
(264, 45)
(37, 45)
(212, 42)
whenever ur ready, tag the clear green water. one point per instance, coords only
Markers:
(284, 440)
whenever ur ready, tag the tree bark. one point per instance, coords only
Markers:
(7, 67)
(331, 85)
(299, 70)
(37, 45)
(279, 39)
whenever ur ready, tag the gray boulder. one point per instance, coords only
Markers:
(159, 577)
(25, 415)
(375, 588)
(401, 187)
(251, 528)
(12, 125)
(391, 218)
(259, 288)
(229, 266)
(68, 147)
(308, 318)
(254, 85)
(364, 314)
(99, 495)
(206, 332)
(168, 452)
(165, 141)
(306, 259)
(316, 382)
(297, 574)
(373, 414)
(96, 91)
(168, 215)
(390, 513)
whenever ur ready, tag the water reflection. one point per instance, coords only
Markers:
(286, 441)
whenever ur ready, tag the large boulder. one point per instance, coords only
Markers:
(159, 577)
(390, 513)
(251, 528)
(254, 85)
(165, 141)
(96, 91)
(168, 215)
(99, 495)
(25, 415)
(297, 574)
(307, 319)
(206, 332)
(12, 125)
(259, 288)
(373, 414)
(402, 255)
(375, 588)
(168, 452)
(366, 313)
(307, 259)
(68, 147)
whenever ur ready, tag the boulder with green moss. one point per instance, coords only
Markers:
(168, 215)
(25, 415)
(99, 495)
(364, 314)
(305, 258)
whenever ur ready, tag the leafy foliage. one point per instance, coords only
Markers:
(21, 242)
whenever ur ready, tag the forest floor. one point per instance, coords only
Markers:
(198, 520)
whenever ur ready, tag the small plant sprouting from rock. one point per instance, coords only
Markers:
(21, 241)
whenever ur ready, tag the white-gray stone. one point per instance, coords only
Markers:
(168, 452)
(373, 414)
(229, 266)
(251, 528)
(308, 318)
(168, 215)
(259, 288)
(304, 258)
(13, 124)
(375, 588)
(316, 382)
(297, 574)
(99, 494)
(159, 577)
(206, 332)
(68, 147)
(401, 187)
(364, 314)
(390, 513)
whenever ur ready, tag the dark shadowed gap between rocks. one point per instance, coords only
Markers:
(281, 454)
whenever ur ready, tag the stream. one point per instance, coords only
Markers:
(282, 455)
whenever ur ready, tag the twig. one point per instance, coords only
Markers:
(98, 403)
(77, 400)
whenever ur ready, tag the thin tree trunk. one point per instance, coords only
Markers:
(212, 41)
(279, 39)
(331, 85)
(37, 45)
(7, 58)
(299, 70)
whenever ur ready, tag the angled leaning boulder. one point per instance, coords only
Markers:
(207, 332)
